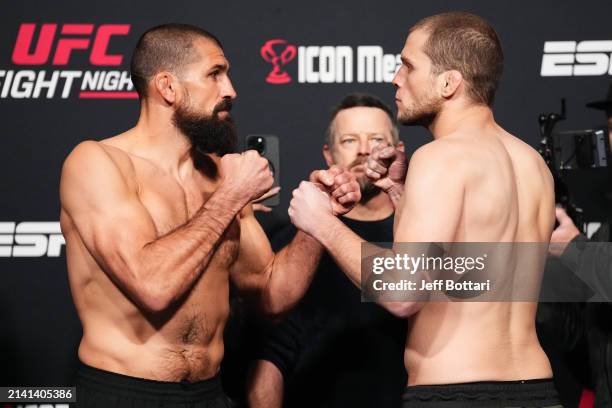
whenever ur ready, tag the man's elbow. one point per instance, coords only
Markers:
(275, 303)
(153, 302)
(275, 311)
(402, 310)
(153, 298)
(145, 290)
(274, 300)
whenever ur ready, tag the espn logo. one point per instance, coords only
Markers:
(572, 58)
(32, 239)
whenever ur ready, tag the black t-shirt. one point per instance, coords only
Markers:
(333, 349)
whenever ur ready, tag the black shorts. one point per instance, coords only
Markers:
(102, 389)
(494, 394)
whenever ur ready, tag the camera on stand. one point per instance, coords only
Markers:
(579, 162)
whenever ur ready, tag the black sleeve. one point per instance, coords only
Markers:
(282, 344)
(592, 263)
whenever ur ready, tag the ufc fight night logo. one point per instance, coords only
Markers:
(31, 239)
(328, 64)
(53, 44)
(572, 58)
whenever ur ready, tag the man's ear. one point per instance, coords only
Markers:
(450, 82)
(400, 146)
(166, 84)
(327, 154)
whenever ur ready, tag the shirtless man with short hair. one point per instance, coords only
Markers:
(474, 183)
(158, 220)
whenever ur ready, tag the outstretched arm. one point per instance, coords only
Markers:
(426, 214)
(278, 281)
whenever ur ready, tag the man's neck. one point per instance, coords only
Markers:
(157, 139)
(377, 208)
(460, 116)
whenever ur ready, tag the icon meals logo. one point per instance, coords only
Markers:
(57, 44)
(328, 64)
(572, 58)
(278, 59)
(33, 239)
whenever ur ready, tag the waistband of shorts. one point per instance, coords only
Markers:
(529, 390)
(114, 383)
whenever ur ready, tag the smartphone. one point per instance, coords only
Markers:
(268, 147)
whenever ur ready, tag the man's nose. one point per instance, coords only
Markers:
(228, 90)
(396, 79)
(364, 148)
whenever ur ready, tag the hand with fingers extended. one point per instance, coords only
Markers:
(387, 166)
(246, 176)
(340, 185)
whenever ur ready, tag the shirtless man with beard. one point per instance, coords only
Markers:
(474, 182)
(157, 220)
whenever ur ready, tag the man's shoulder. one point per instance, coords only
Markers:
(91, 154)
(526, 158)
(521, 147)
(98, 164)
(441, 154)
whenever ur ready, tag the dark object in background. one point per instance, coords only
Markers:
(582, 159)
(579, 162)
(268, 147)
(581, 149)
(605, 104)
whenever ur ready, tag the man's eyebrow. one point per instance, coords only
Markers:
(353, 134)
(220, 67)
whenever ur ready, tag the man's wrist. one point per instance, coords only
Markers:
(395, 193)
(395, 187)
(327, 232)
(237, 195)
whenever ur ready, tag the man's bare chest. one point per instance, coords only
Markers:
(172, 203)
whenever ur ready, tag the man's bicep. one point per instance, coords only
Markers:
(109, 217)
(432, 201)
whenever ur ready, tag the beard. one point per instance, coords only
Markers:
(208, 134)
(368, 189)
(422, 112)
(366, 186)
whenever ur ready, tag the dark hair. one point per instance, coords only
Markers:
(169, 47)
(354, 100)
(467, 43)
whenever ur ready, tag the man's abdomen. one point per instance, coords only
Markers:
(182, 343)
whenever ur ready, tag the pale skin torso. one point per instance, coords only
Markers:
(503, 194)
(183, 342)
(474, 183)
(151, 252)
